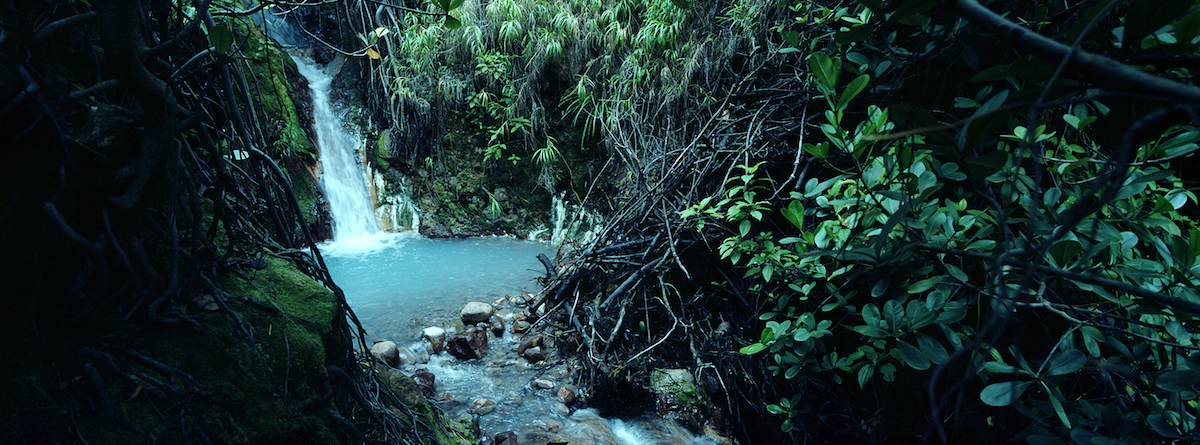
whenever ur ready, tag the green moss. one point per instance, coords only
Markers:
(274, 76)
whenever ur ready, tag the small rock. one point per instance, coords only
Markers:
(530, 342)
(387, 352)
(534, 354)
(506, 438)
(419, 351)
(436, 337)
(478, 340)
(426, 381)
(483, 406)
(541, 384)
(475, 312)
(562, 409)
(460, 347)
(497, 326)
(566, 396)
(520, 326)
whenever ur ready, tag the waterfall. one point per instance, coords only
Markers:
(342, 178)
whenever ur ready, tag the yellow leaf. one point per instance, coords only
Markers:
(372, 53)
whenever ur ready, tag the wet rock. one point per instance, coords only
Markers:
(534, 355)
(505, 438)
(530, 342)
(483, 406)
(520, 326)
(679, 398)
(418, 352)
(387, 352)
(475, 312)
(497, 326)
(436, 337)
(562, 409)
(460, 347)
(541, 384)
(478, 340)
(566, 395)
(426, 381)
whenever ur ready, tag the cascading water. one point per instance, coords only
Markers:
(342, 176)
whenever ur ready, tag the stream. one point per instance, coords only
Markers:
(401, 283)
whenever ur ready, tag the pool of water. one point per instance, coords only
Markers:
(400, 283)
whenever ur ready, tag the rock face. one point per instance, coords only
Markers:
(387, 352)
(679, 398)
(475, 312)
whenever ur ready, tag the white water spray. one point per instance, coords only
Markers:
(342, 176)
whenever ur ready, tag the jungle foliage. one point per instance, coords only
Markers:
(988, 215)
(159, 286)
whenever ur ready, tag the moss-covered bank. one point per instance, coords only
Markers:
(265, 380)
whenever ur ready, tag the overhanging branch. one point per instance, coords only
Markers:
(1093, 68)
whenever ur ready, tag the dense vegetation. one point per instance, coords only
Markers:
(869, 221)
(157, 288)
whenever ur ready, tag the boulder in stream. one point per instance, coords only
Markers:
(534, 355)
(505, 438)
(476, 311)
(436, 337)
(426, 381)
(460, 347)
(387, 352)
(483, 406)
(496, 324)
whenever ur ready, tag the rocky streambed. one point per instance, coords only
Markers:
(520, 382)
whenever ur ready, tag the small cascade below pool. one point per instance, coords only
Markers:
(342, 178)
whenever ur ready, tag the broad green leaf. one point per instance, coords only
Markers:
(451, 22)
(795, 214)
(752, 348)
(1000, 368)
(856, 86)
(821, 151)
(826, 69)
(1004, 393)
(926, 284)
(1065, 362)
(221, 38)
(1056, 401)
(931, 349)
(871, 331)
(957, 273)
(1065, 252)
(1162, 427)
(1175, 381)
(911, 356)
(864, 374)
